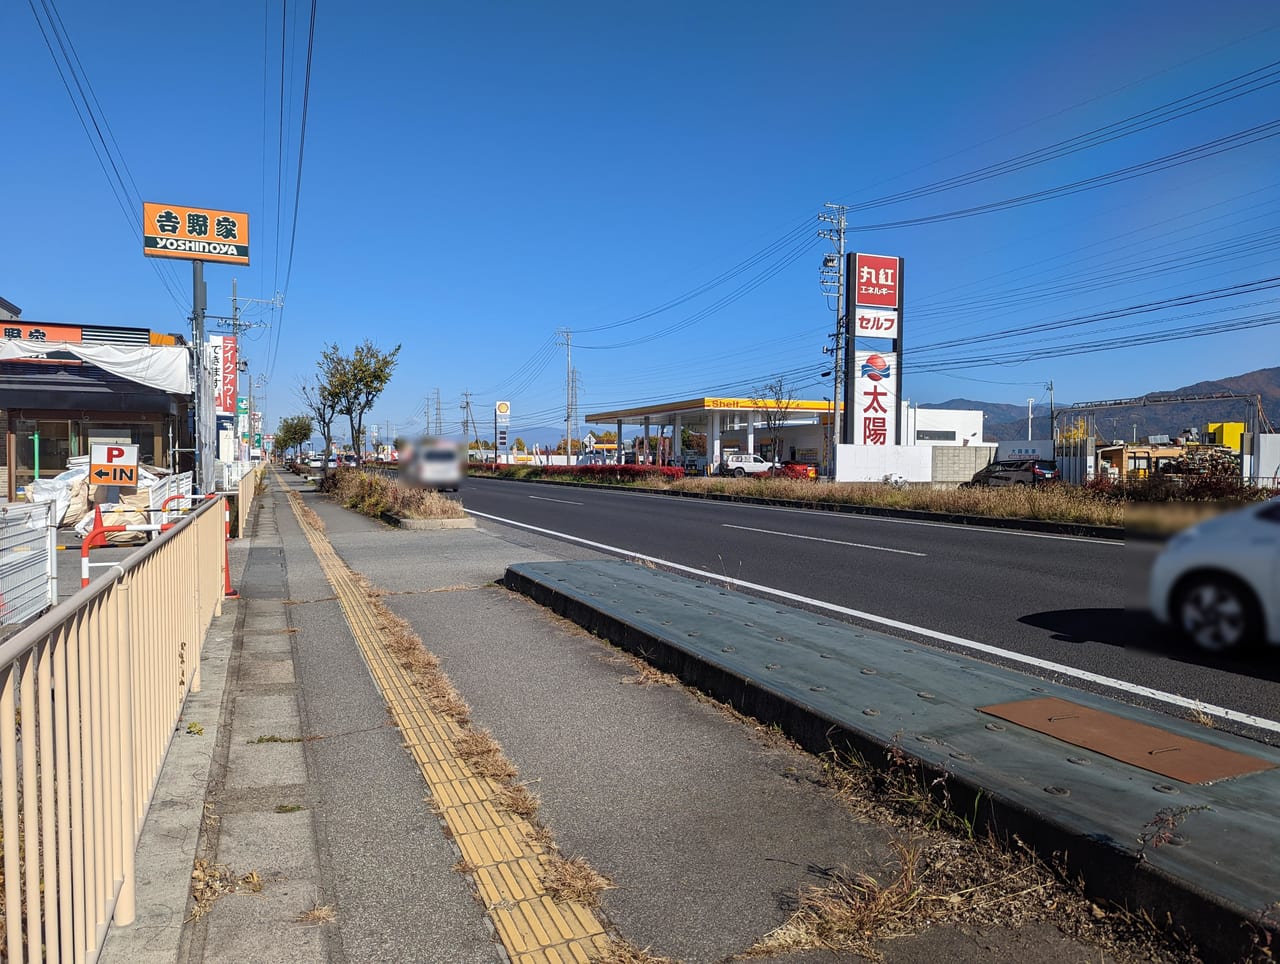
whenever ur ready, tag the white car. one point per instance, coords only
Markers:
(745, 463)
(1219, 582)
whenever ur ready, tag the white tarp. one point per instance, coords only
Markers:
(166, 367)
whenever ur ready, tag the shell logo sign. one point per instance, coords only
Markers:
(194, 234)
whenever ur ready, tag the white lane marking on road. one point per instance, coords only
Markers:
(541, 498)
(834, 542)
(1043, 664)
(827, 513)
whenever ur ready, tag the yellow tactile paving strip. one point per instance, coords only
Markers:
(499, 847)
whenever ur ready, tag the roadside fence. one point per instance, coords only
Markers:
(90, 694)
(248, 488)
(28, 560)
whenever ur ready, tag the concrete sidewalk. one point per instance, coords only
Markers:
(312, 816)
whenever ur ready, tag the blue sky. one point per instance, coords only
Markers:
(477, 176)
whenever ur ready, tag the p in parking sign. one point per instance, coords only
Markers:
(113, 464)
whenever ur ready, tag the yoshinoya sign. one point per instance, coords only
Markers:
(195, 234)
(875, 403)
(875, 280)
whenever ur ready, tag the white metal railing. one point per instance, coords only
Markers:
(230, 473)
(170, 485)
(90, 694)
(28, 560)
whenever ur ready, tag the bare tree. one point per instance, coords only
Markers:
(357, 381)
(322, 404)
(774, 400)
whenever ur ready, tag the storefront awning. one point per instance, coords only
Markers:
(162, 367)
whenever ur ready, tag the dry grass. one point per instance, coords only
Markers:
(1198, 715)
(372, 495)
(947, 872)
(481, 752)
(318, 914)
(573, 879)
(518, 799)
(305, 511)
(210, 882)
(1058, 503)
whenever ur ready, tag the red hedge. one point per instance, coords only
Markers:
(613, 472)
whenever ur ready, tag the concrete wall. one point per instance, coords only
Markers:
(871, 463)
(953, 464)
(1265, 468)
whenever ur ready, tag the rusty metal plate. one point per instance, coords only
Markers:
(1149, 747)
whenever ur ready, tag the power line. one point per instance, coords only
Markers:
(119, 189)
(1199, 152)
(1193, 103)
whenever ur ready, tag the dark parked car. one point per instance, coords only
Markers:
(1015, 472)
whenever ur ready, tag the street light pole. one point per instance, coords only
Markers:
(1030, 402)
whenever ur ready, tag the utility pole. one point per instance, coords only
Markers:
(198, 291)
(469, 418)
(1053, 414)
(568, 414)
(833, 278)
(439, 420)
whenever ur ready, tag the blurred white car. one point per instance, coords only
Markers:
(1219, 582)
(434, 464)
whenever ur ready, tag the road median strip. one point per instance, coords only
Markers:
(837, 688)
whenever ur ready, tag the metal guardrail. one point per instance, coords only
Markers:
(28, 561)
(90, 694)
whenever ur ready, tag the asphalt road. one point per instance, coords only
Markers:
(1070, 601)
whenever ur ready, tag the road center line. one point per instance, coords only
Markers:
(834, 542)
(542, 498)
(1042, 664)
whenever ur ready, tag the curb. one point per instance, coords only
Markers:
(401, 523)
(1110, 872)
(1083, 530)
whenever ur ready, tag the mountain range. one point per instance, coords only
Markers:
(1005, 422)
(1144, 417)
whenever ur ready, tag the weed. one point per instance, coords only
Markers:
(1198, 715)
(212, 881)
(1163, 827)
(484, 756)
(516, 798)
(573, 879)
(288, 808)
(195, 729)
(275, 739)
(318, 914)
